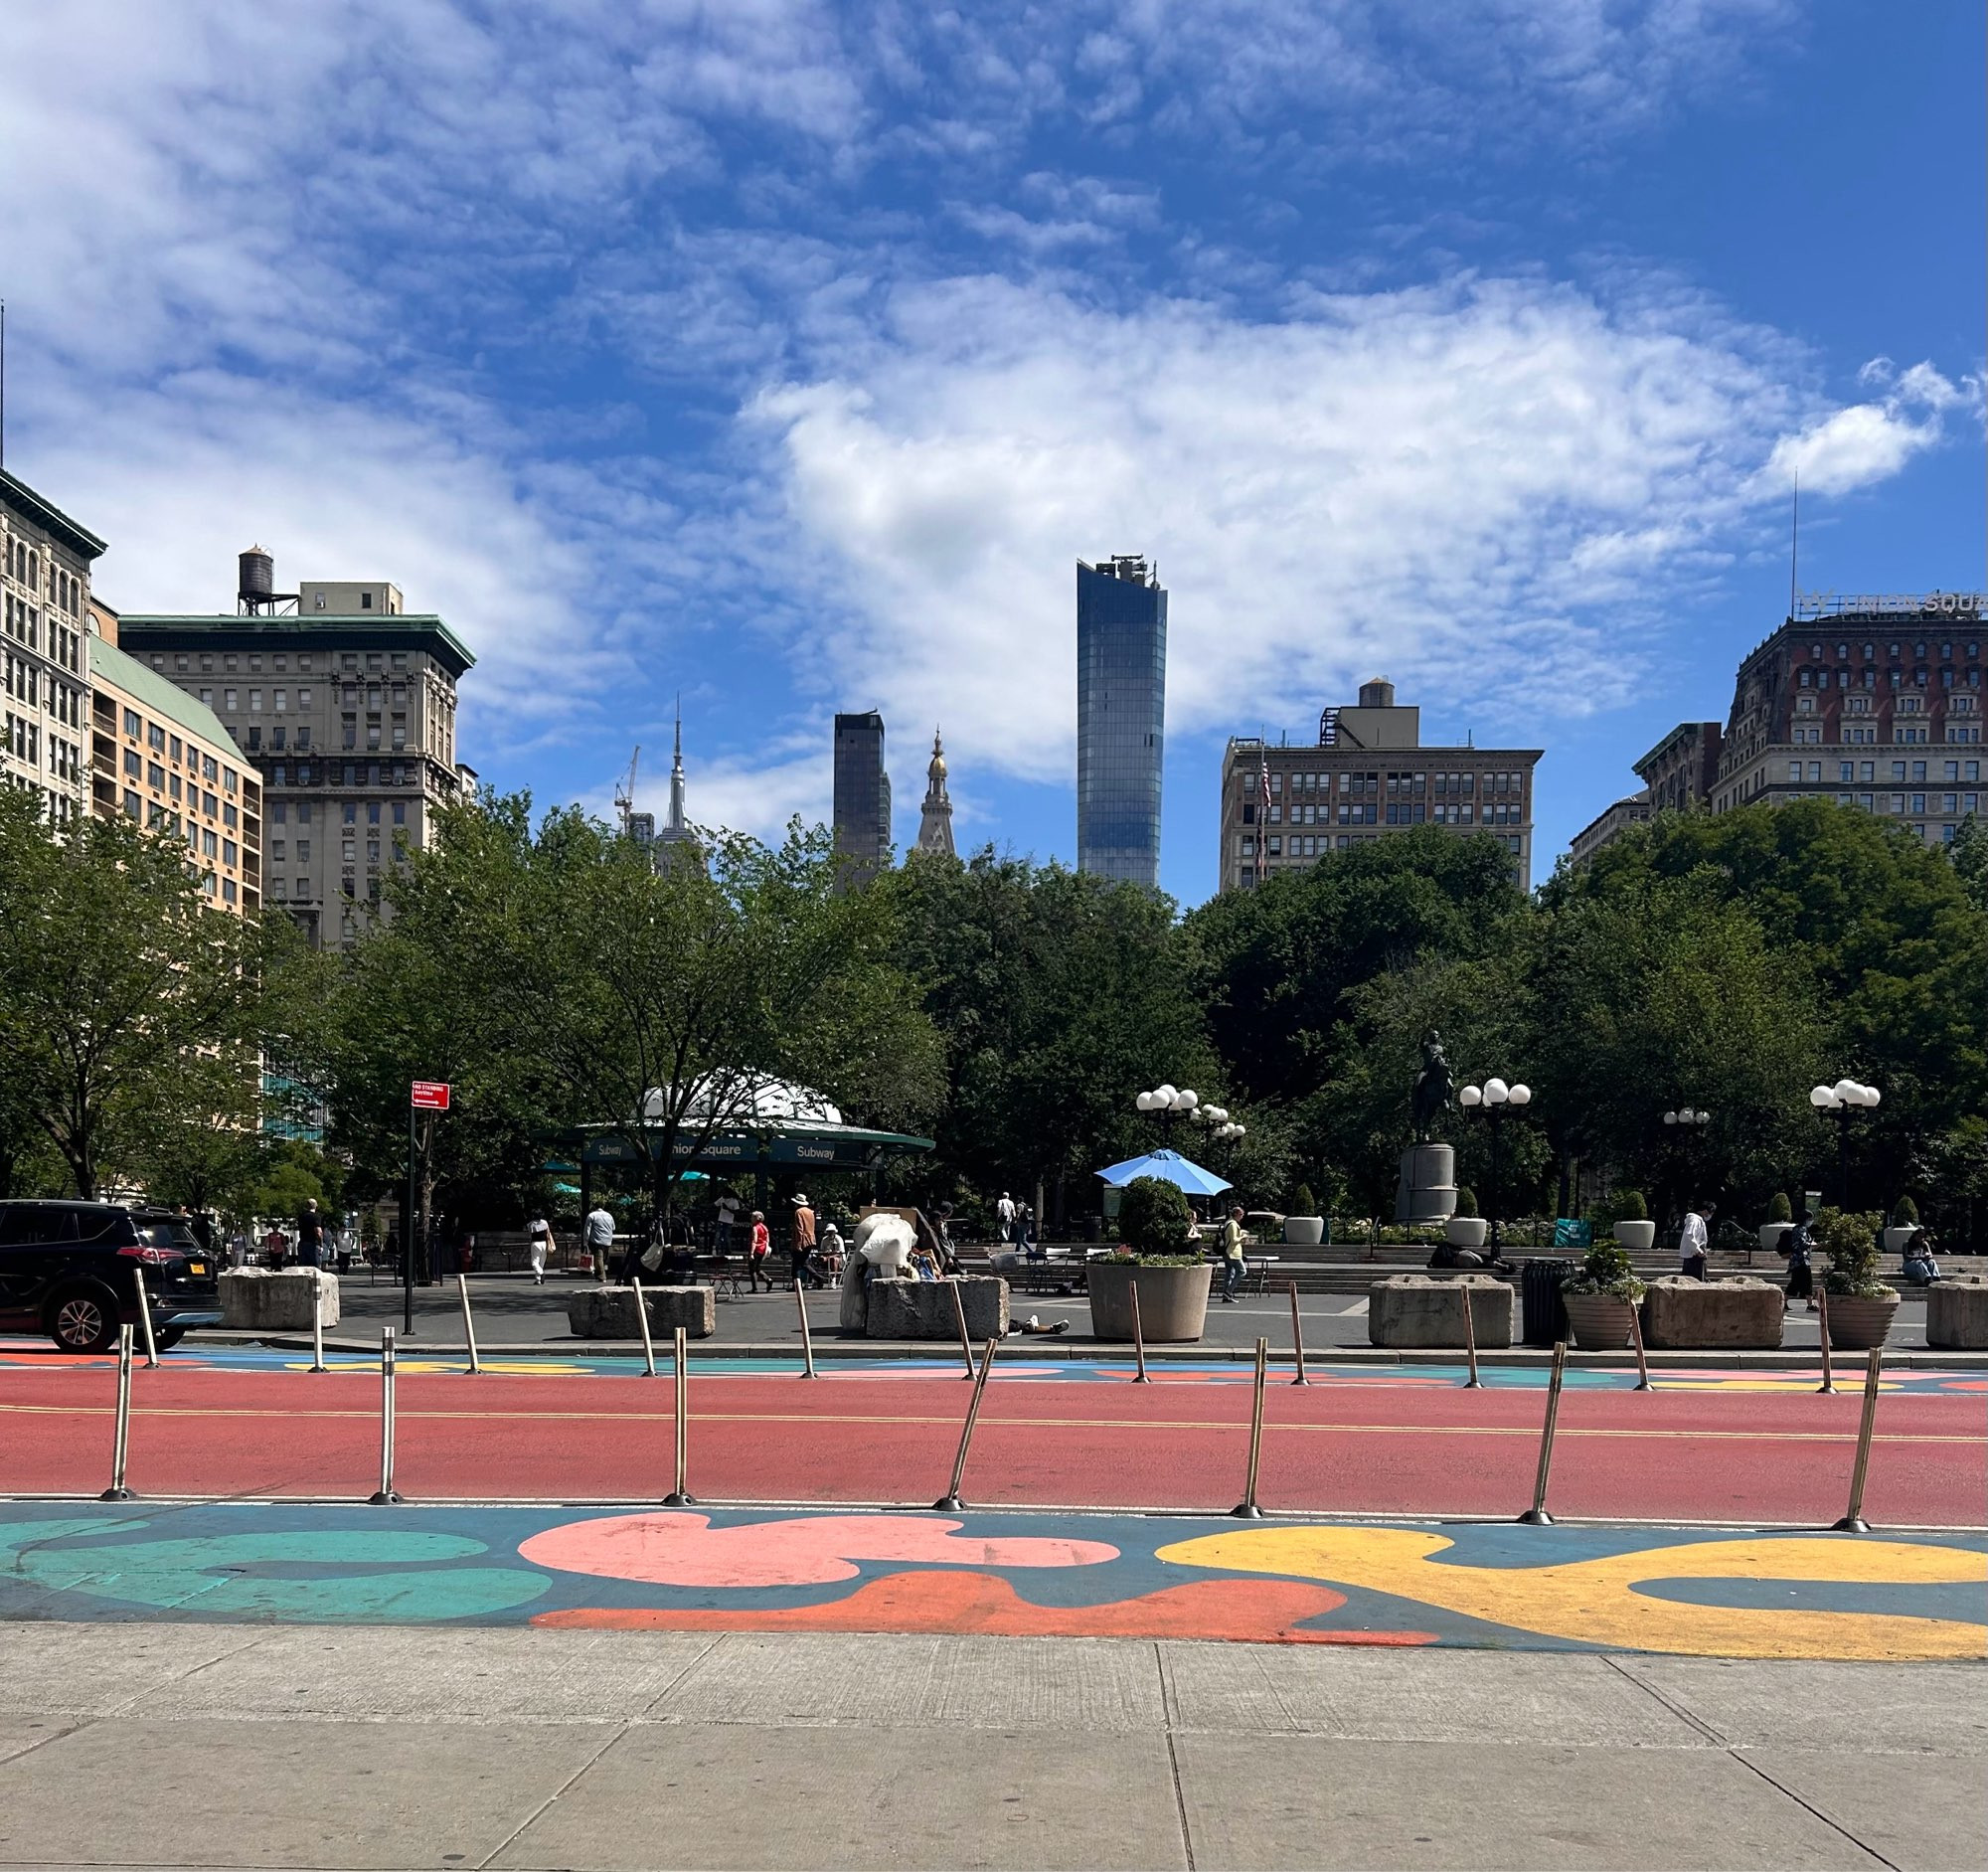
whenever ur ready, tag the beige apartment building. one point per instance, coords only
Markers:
(342, 703)
(160, 757)
(45, 561)
(1286, 806)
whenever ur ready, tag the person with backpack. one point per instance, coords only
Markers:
(539, 1236)
(1797, 1246)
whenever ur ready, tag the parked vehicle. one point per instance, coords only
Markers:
(70, 1269)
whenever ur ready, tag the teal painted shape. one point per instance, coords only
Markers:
(225, 1577)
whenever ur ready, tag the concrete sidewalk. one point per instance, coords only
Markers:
(376, 1747)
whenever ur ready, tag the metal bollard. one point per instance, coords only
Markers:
(1297, 1338)
(1636, 1339)
(145, 1319)
(468, 1326)
(642, 1325)
(1140, 1375)
(951, 1499)
(1822, 1326)
(1852, 1521)
(1246, 1509)
(387, 1496)
(959, 1313)
(680, 1497)
(120, 1445)
(317, 1363)
(808, 1338)
(1536, 1515)
(1473, 1382)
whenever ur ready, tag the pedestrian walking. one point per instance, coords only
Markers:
(1801, 1275)
(728, 1225)
(758, 1247)
(599, 1233)
(1234, 1267)
(539, 1237)
(238, 1247)
(1693, 1241)
(275, 1245)
(1004, 1216)
(310, 1234)
(802, 1243)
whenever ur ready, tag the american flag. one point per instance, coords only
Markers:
(1264, 785)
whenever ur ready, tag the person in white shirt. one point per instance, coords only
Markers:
(1692, 1244)
(598, 1231)
(539, 1233)
(1004, 1213)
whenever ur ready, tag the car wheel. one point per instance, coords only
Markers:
(84, 1320)
(168, 1336)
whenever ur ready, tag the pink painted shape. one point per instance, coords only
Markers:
(676, 1549)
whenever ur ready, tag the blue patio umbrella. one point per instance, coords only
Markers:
(1171, 1167)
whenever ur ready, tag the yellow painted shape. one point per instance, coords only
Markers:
(1595, 1601)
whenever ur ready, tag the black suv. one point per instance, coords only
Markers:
(69, 1270)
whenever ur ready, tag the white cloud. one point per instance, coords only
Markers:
(1478, 489)
(1852, 447)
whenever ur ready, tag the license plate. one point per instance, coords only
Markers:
(196, 1267)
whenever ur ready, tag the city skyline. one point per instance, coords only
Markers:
(1496, 375)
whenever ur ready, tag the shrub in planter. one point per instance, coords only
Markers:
(1859, 1305)
(1633, 1227)
(1172, 1290)
(1153, 1216)
(1905, 1223)
(1601, 1299)
(1304, 1227)
(1780, 1220)
(1465, 1226)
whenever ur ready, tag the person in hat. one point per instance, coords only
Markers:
(802, 1243)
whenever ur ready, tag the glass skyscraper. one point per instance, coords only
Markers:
(1122, 701)
(862, 798)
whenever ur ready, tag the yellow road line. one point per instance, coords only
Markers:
(1012, 1423)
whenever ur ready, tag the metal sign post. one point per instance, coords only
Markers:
(423, 1094)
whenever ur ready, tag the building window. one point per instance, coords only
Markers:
(132, 725)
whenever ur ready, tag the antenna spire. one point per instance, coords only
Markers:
(1794, 542)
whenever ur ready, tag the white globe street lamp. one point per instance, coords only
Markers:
(1842, 1099)
(1495, 1100)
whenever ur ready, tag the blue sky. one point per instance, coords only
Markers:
(788, 355)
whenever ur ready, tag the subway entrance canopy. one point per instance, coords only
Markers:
(769, 1126)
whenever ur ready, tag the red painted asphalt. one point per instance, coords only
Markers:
(1707, 1455)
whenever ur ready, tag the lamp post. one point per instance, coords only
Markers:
(1843, 1098)
(1167, 1102)
(1224, 1131)
(1493, 1101)
(1693, 1121)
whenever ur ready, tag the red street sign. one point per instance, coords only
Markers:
(431, 1095)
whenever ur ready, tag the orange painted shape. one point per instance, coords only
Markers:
(984, 1604)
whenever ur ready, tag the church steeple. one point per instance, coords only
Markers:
(935, 820)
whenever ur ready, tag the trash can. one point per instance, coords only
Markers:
(1543, 1311)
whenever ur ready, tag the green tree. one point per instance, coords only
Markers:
(1059, 997)
(121, 991)
(1153, 1216)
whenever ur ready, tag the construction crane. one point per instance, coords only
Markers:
(625, 791)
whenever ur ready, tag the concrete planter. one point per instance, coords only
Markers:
(609, 1312)
(1173, 1301)
(1894, 1240)
(1958, 1313)
(1465, 1230)
(1773, 1234)
(1411, 1309)
(257, 1299)
(923, 1309)
(1599, 1322)
(1856, 1326)
(1638, 1237)
(1299, 1231)
(1739, 1313)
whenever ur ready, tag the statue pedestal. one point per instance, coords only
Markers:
(1428, 1189)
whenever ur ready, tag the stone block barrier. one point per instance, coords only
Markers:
(1739, 1313)
(1958, 1313)
(923, 1309)
(260, 1299)
(609, 1312)
(1413, 1309)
